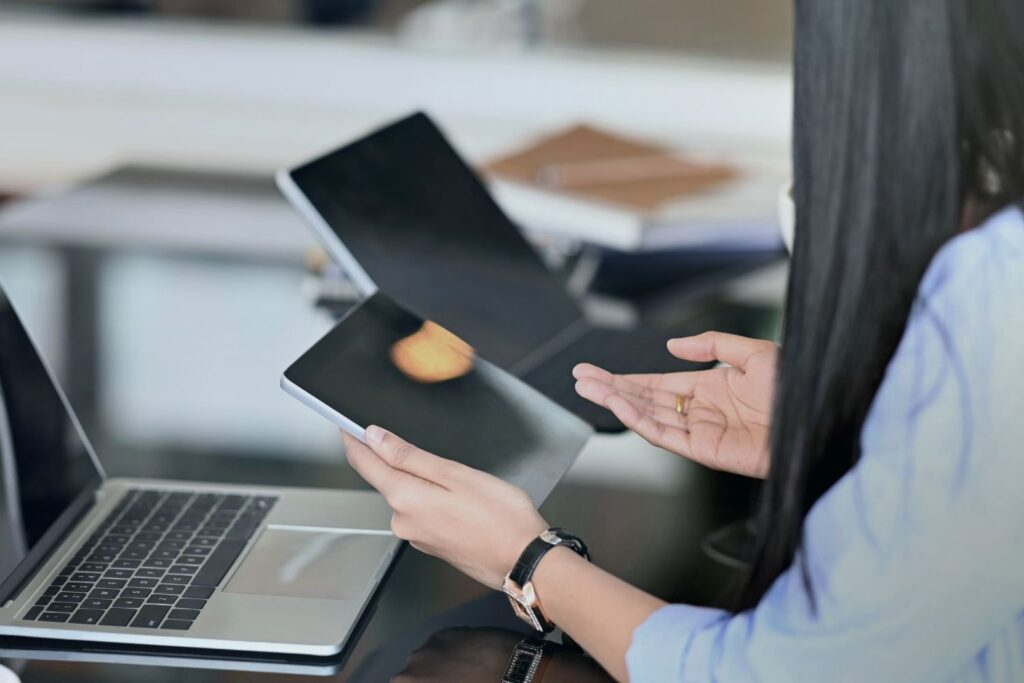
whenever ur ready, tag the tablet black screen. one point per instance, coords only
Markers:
(383, 365)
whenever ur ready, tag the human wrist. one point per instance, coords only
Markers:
(555, 564)
(519, 585)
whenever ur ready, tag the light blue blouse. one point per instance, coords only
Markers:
(917, 554)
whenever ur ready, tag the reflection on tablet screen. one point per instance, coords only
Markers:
(383, 365)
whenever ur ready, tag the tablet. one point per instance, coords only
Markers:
(383, 365)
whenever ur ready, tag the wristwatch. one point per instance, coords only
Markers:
(527, 662)
(518, 585)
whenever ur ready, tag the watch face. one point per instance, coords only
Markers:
(524, 664)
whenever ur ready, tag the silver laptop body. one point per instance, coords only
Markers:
(299, 568)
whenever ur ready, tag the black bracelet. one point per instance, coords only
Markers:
(539, 547)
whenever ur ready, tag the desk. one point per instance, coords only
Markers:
(171, 357)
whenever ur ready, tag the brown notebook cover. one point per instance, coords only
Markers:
(590, 163)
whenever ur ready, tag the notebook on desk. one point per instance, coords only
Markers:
(614, 191)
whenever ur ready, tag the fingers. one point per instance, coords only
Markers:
(728, 348)
(671, 438)
(403, 456)
(392, 483)
(597, 391)
(583, 370)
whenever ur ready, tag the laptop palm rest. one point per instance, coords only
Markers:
(323, 564)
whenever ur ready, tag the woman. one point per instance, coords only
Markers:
(891, 522)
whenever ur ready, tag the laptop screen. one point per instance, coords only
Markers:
(47, 475)
(424, 228)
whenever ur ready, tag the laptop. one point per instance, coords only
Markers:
(215, 566)
(400, 211)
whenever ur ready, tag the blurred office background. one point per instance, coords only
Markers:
(168, 284)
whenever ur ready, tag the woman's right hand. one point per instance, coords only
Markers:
(726, 413)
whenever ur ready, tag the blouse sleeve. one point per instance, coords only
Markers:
(917, 555)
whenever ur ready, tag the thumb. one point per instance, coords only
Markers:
(716, 346)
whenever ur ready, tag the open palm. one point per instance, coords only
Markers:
(725, 413)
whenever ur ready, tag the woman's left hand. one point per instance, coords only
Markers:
(474, 521)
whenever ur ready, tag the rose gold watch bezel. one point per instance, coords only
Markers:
(525, 604)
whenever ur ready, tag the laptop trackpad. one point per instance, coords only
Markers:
(321, 564)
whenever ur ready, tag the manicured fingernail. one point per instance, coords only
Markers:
(374, 435)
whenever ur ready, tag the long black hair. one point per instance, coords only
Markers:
(908, 126)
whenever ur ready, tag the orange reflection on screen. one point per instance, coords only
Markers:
(432, 354)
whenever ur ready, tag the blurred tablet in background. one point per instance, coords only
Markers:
(383, 365)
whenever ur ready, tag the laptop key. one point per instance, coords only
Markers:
(77, 587)
(264, 502)
(199, 592)
(232, 502)
(59, 580)
(142, 583)
(32, 614)
(62, 607)
(182, 569)
(168, 589)
(158, 562)
(126, 603)
(218, 563)
(191, 603)
(150, 616)
(136, 592)
(102, 558)
(90, 577)
(177, 624)
(43, 600)
(87, 616)
(177, 579)
(149, 573)
(60, 617)
(103, 594)
(111, 583)
(193, 560)
(52, 589)
(118, 574)
(187, 614)
(92, 603)
(117, 616)
(69, 597)
(93, 567)
(161, 599)
(126, 564)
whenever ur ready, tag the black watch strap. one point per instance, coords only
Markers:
(538, 547)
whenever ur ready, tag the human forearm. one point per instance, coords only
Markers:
(597, 609)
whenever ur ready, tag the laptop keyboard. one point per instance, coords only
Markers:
(154, 561)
